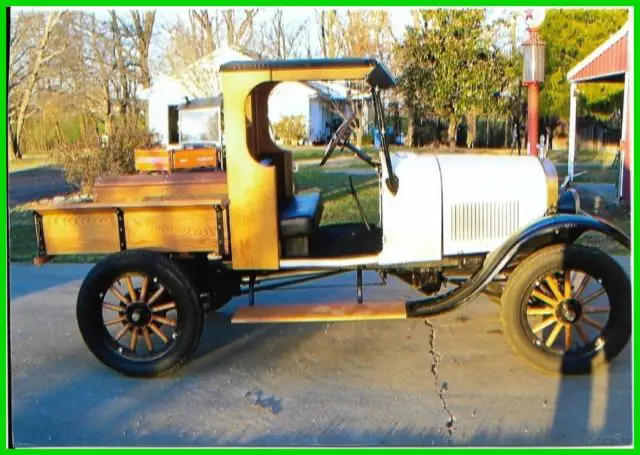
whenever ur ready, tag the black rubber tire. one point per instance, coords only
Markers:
(90, 319)
(596, 263)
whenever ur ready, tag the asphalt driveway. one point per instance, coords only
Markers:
(448, 381)
(38, 183)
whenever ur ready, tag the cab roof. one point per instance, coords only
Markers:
(318, 69)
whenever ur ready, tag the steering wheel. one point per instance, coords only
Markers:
(340, 136)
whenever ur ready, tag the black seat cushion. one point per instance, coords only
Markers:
(300, 215)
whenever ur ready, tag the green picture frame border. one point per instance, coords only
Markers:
(264, 3)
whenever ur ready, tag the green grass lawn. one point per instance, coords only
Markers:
(316, 152)
(29, 161)
(339, 205)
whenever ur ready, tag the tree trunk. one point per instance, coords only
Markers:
(506, 132)
(323, 34)
(32, 80)
(359, 133)
(143, 33)
(331, 35)
(471, 129)
(12, 143)
(409, 141)
(452, 130)
(488, 132)
(108, 112)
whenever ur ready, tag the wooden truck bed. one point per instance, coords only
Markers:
(176, 225)
(131, 188)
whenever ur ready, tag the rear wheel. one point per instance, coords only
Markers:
(567, 309)
(139, 314)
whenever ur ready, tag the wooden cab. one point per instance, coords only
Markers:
(266, 219)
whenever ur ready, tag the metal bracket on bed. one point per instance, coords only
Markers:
(121, 232)
(220, 229)
(41, 255)
(42, 249)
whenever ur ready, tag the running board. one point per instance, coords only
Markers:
(320, 312)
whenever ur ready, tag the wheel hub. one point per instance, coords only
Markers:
(138, 314)
(569, 311)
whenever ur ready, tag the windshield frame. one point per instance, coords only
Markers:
(392, 181)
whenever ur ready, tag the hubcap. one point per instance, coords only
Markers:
(138, 314)
(563, 301)
(569, 311)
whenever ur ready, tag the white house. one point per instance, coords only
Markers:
(315, 101)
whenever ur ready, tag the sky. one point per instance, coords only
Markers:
(400, 19)
(400, 16)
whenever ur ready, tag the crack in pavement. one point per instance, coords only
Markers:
(435, 359)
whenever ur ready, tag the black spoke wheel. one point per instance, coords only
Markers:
(138, 313)
(567, 309)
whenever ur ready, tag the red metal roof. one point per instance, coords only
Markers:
(607, 62)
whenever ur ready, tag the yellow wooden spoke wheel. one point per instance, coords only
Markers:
(567, 309)
(138, 313)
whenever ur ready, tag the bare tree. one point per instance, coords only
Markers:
(191, 41)
(142, 34)
(99, 57)
(109, 74)
(358, 33)
(239, 31)
(124, 81)
(329, 33)
(26, 63)
(282, 40)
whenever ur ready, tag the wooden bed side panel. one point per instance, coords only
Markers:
(78, 232)
(117, 195)
(138, 189)
(172, 229)
(168, 226)
(251, 186)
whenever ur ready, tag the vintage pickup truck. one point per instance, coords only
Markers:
(452, 226)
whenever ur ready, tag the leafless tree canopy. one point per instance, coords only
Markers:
(91, 65)
(71, 72)
(282, 40)
(77, 62)
(29, 55)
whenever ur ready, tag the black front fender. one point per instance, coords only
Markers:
(550, 229)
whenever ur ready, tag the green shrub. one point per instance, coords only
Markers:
(92, 156)
(291, 129)
(367, 139)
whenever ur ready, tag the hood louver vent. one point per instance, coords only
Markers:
(484, 220)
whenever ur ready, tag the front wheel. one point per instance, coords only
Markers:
(567, 309)
(138, 313)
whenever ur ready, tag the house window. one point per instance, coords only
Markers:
(174, 136)
(200, 125)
